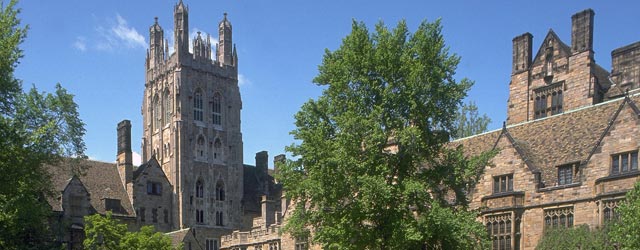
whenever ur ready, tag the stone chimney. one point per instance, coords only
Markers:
(582, 31)
(262, 168)
(522, 52)
(124, 161)
(268, 213)
(278, 159)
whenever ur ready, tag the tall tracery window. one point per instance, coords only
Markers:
(220, 191)
(556, 102)
(560, 217)
(610, 210)
(219, 217)
(217, 149)
(157, 113)
(167, 107)
(216, 109)
(199, 189)
(499, 228)
(540, 107)
(548, 100)
(197, 106)
(200, 149)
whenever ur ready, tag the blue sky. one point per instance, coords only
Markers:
(96, 50)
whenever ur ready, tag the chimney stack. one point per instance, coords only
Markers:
(278, 159)
(582, 31)
(522, 52)
(124, 161)
(262, 168)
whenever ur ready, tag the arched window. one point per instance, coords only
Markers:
(200, 149)
(220, 191)
(199, 189)
(167, 107)
(219, 217)
(157, 113)
(197, 106)
(216, 109)
(217, 149)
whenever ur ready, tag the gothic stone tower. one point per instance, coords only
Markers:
(559, 77)
(191, 125)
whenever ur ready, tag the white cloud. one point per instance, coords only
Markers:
(243, 80)
(136, 159)
(80, 43)
(119, 35)
(127, 34)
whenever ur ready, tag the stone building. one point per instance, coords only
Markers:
(568, 151)
(193, 183)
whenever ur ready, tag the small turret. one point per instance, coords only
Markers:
(225, 49)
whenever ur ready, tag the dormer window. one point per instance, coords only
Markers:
(503, 184)
(154, 188)
(565, 174)
(112, 205)
(624, 162)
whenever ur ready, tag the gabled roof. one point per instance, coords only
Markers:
(557, 140)
(565, 50)
(101, 180)
(146, 166)
(179, 236)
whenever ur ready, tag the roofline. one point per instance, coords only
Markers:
(178, 231)
(621, 98)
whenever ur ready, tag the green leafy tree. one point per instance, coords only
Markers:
(468, 122)
(372, 170)
(626, 231)
(104, 232)
(36, 129)
(579, 237)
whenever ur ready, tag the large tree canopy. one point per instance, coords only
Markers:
(372, 170)
(36, 129)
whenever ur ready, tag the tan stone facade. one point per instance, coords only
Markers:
(566, 160)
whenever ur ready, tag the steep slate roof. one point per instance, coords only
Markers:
(101, 179)
(153, 162)
(553, 141)
(178, 237)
